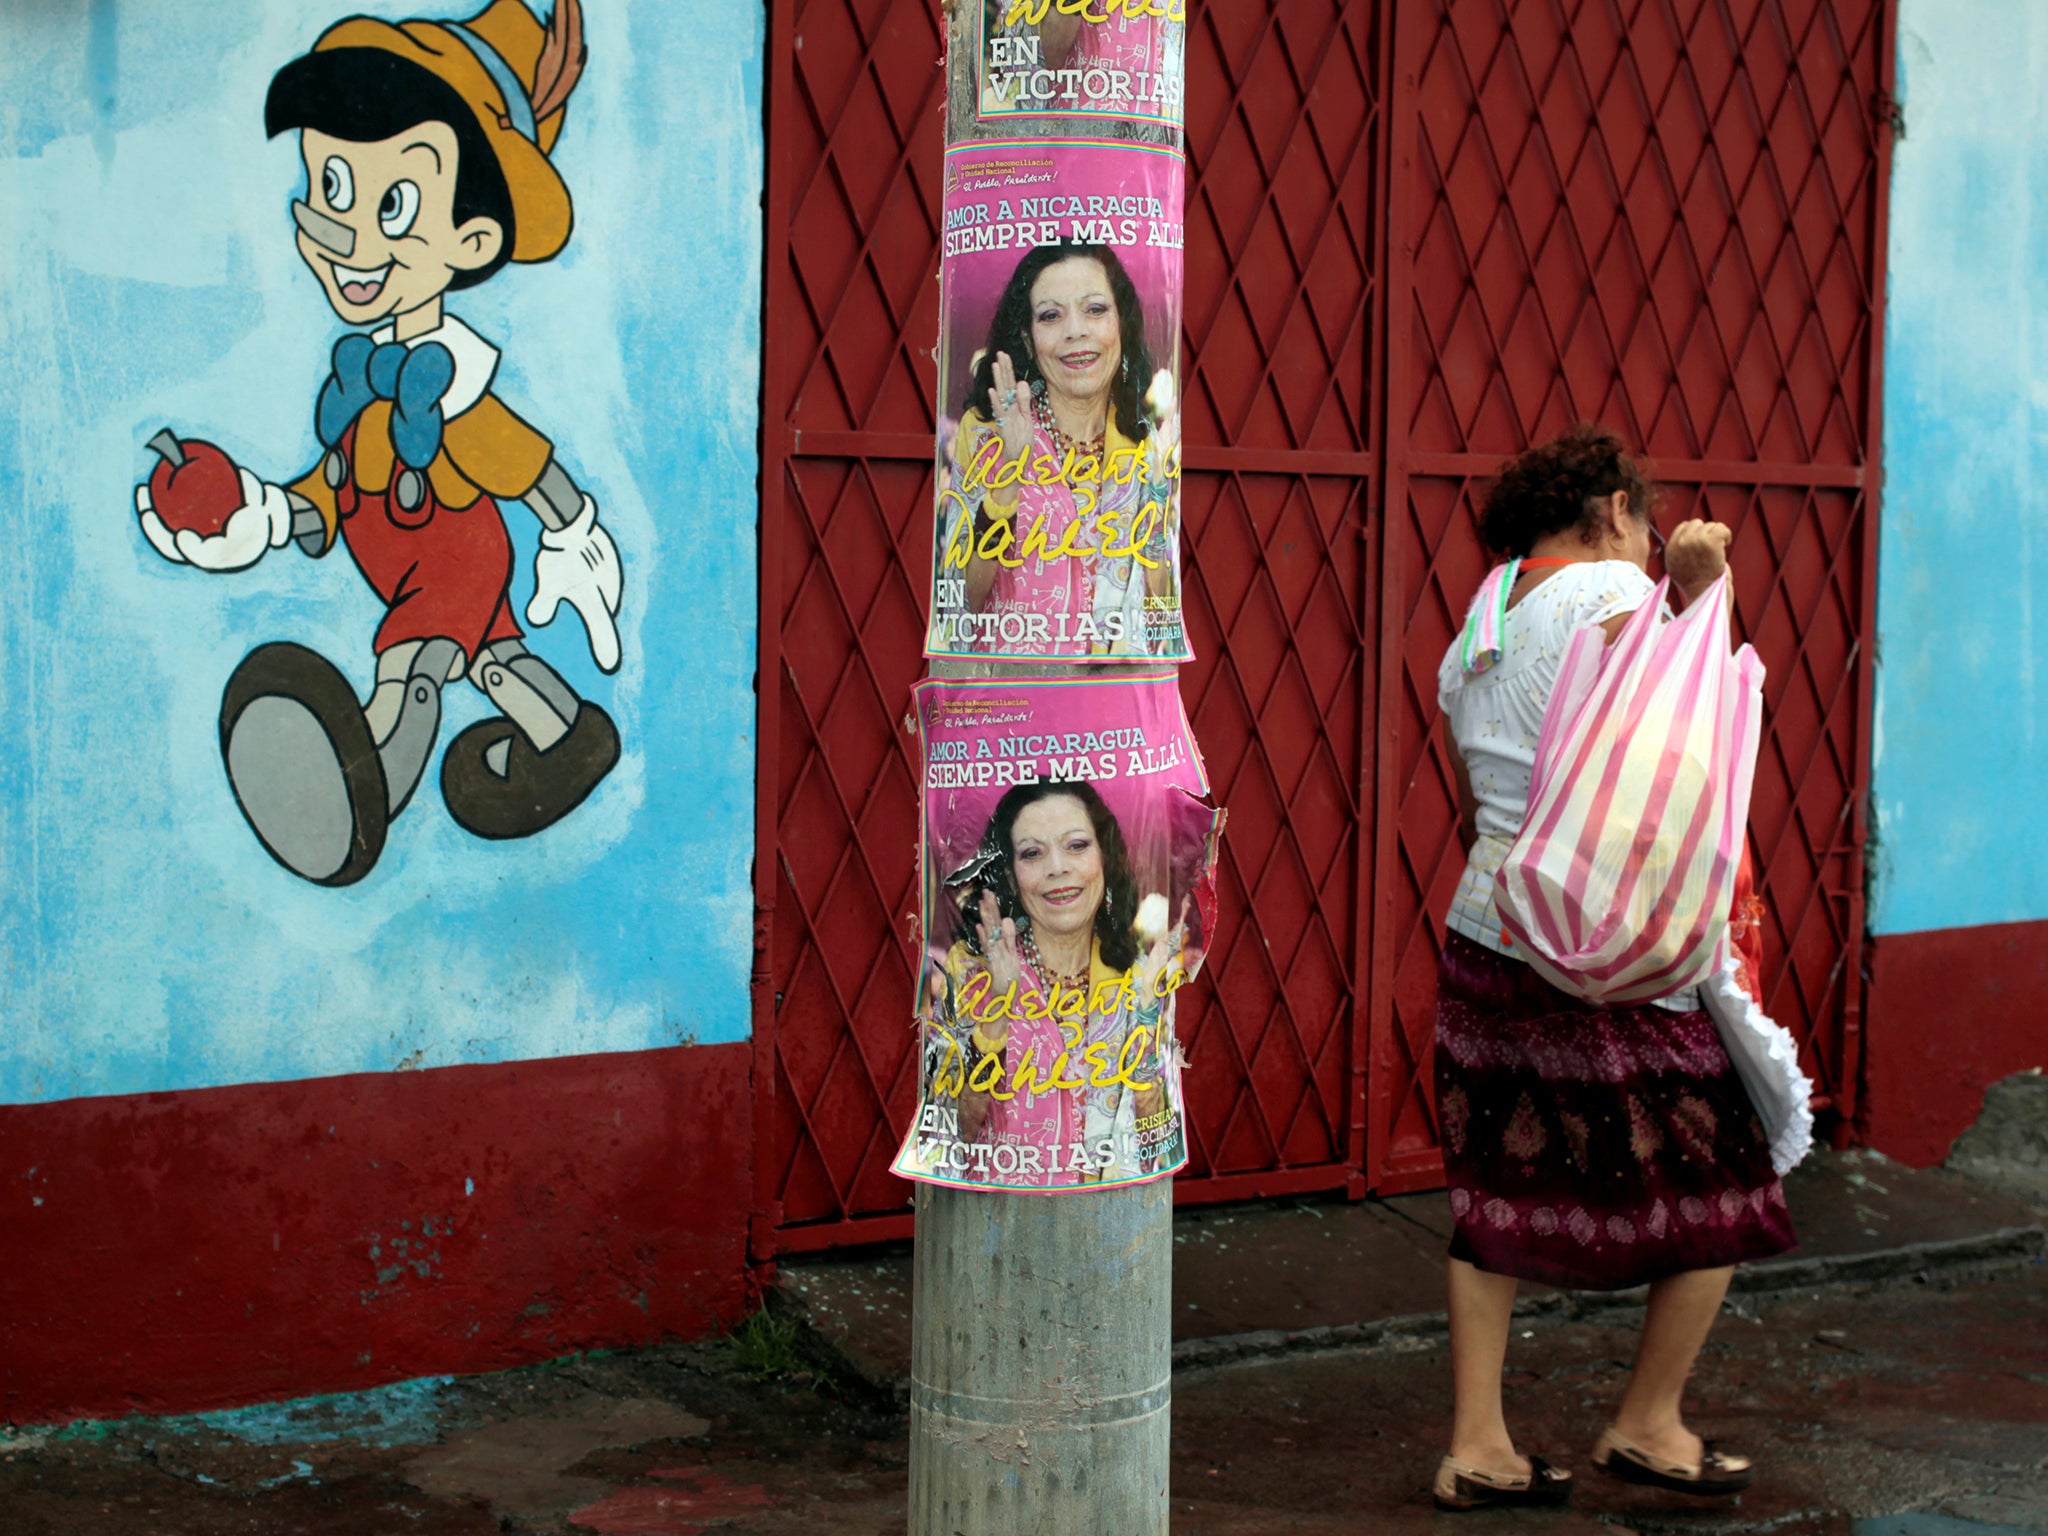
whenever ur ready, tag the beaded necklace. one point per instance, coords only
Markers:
(1041, 412)
(1029, 948)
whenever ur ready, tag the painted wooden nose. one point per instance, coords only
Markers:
(329, 234)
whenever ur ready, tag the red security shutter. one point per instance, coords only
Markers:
(1421, 235)
(1285, 228)
(851, 315)
(1668, 217)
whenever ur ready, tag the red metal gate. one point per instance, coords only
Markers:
(1668, 215)
(1420, 233)
(1285, 232)
(848, 381)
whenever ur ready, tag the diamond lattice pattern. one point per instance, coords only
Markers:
(853, 313)
(1282, 228)
(1659, 215)
(1656, 214)
(1280, 292)
(1282, 235)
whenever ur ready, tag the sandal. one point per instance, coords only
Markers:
(1717, 1472)
(1460, 1485)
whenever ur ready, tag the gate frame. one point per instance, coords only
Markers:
(1370, 1166)
(764, 1226)
(1884, 111)
(1396, 1173)
(1350, 1176)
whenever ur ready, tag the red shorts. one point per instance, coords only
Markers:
(443, 574)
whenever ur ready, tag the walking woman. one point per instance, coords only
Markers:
(1585, 1146)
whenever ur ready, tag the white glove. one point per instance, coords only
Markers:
(579, 565)
(263, 521)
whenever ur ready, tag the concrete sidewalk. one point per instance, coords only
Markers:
(1310, 1397)
(1300, 1275)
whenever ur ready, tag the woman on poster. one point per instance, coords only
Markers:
(1059, 974)
(1064, 508)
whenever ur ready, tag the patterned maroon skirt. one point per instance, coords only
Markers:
(1593, 1148)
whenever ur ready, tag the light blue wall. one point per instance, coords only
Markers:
(147, 276)
(1961, 785)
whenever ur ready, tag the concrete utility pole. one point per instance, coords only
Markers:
(1041, 1351)
(1041, 1362)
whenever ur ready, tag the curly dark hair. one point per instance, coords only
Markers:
(992, 869)
(1560, 485)
(1010, 332)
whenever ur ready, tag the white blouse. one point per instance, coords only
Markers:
(1496, 717)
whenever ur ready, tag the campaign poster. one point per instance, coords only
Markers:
(1083, 58)
(1057, 520)
(1069, 893)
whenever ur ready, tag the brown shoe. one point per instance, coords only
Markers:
(1460, 1485)
(1717, 1472)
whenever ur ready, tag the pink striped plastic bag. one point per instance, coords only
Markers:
(1618, 888)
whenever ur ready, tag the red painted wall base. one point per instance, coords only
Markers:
(183, 1251)
(1948, 1014)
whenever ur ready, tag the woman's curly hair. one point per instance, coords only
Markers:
(993, 869)
(1558, 486)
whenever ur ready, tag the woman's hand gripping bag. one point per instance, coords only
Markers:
(1619, 886)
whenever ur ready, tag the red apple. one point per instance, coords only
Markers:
(196, 486)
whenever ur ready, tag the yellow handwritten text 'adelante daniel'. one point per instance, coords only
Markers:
(988, 469)
(1065, 1003)
(999, 539)
(1035, 11)
(988, 1076)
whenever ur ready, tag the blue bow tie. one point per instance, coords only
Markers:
(413, 379)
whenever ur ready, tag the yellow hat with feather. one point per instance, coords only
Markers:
(516, 75)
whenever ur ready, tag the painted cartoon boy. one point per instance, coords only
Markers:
(426, 148)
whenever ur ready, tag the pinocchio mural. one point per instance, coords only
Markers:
(426, 148)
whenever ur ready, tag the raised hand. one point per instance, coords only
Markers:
(1152, 967)
(1009, 407)
(1697, 554)
(998, 935)
(1165, 947)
